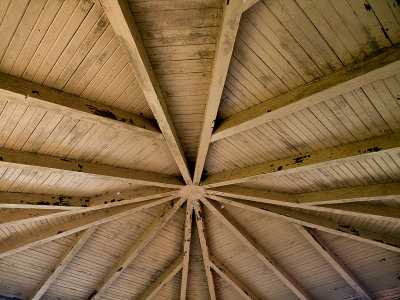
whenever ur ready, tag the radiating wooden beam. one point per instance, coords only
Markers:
(319, 244)
(234, 282)
(186, 247)
(343, 81)
(121, 20)
(204, 248)
(82, 219)
(139, 245)
(161, 281)
(230, 19)
(256, 249)
(98, 171)
(290, 200)
(301, 218)
(28, 93)
(67, 257)
(387, 144)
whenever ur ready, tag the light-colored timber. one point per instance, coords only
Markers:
(186, 247)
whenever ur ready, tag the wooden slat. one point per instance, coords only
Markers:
(78, 243)
(330, 86)
(336, 155)
(204, 248)
(350, 209)
(186, 247)
(313, 238)
(298, 217)
(28, 93)
(163, 279)
(231, 13)
(121, 19)
(98, 171)
(82, 220)
(234, 282)
(256, 249)
(139, 245)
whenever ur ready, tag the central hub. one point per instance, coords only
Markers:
(192, 192)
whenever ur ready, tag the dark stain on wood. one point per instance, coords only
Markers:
(91, 296)
(43, 203)
(102, 112)
(348, 229)
(367, 6)
(35, 92)
(120, 269)
(59, 232)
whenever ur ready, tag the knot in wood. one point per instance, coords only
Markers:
(192, 192)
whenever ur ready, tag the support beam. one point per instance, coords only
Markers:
(256, 249)
(343, 81)
(387, 144)
(98, 171)
(28, 93)
(235, 283)
(231, 14)
(289, 200)
(82, 219)
(139, 245)
(301, 218)
(313, 238)
(78, 243)
(121, 20)
(186, 247)
(161, 281)
(204, 248)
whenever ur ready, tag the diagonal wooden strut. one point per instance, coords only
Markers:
(186, 247)
(83, 219)
(257, 250)
(343, 81)
(204, 247)
(301, 218)
(139, 245)
(386, 144)
(313, 238)
(121, 20)
(231, 14)
(78, 243)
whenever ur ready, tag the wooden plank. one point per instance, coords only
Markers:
(139, 245)
(28, 93)
(98, 171)
(336, 155)
(343, 81)
(256, 249)
(78, 243)
(298, 217)
(186, 247)
(231, 14)
(163, 279)
(315, 240)
(350, 209)
(204, 248)
(82, 220)
(121, 20)
(234, 282)
(248, 4)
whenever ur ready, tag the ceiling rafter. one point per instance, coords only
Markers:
(301, 218)
(231, 14)
(166, 214)
(204, 248)
(82, 220)
(234, 282)
(167, 274)
(99, 171)
(256, 249)
(121, 20)
(320, 245)
(291, 200)
(386, 144)
(187, 239)
(68, 256)
(28, 93)
(343, 81)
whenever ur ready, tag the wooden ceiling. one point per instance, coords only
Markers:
(199, 149)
